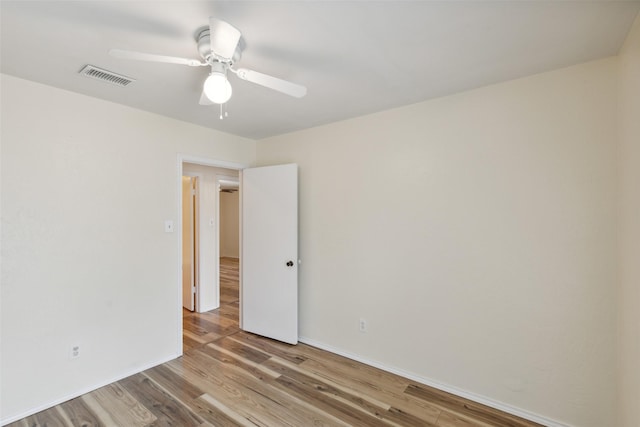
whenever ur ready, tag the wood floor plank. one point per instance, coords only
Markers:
(459, 405)
(175, 385)
(343, 400)
(448, 419)
(259, 384)
(332, 368)
(169, 411)
(196, 326)
(225, 298)
(335, 407)
(243, 351)
(226, 324)
(284, 351)
(201, 326)
(286, 368)
(79, 413)
(368, 376)
(235, 360)
(229, 289)
(261, 401)
(230, 311)
(347, 376)
(380, 407)
(189, 343)
(219, 414)
(201, 339)
(51, 417)
(106, 418)
(407, 419)
(310, 413)
(203, 371)
(113, 405)
(292, 403)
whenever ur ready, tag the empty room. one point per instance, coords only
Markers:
(340, 213)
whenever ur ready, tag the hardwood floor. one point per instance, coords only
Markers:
(202, 328)
(228, 377)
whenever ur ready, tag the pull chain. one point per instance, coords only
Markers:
(223, 112)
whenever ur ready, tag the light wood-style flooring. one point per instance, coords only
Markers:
(228, 377)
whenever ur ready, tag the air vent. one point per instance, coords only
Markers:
(105, 76)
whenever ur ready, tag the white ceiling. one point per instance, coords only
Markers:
(355, 57)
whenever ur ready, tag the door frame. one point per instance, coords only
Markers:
(203, 161)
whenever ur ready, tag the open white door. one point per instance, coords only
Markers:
(269, 261)
(188, 243)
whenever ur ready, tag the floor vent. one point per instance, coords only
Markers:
(106, 76)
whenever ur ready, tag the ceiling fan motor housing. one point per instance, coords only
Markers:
(204, 49)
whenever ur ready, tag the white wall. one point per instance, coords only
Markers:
(493, 271)
(629, 292)
(229, 225)
(86, 188)
(207, 211)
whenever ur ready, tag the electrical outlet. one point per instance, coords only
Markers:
(363, 325)
(75, 351)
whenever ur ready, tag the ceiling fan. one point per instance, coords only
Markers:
(220, 48)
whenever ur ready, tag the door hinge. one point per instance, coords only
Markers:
(193, 191)
(193, 289)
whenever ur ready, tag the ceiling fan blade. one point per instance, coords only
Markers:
(224, 38)
(204, 100)
(139, 56)
(271, 82)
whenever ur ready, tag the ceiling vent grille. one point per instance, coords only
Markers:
(106, 76)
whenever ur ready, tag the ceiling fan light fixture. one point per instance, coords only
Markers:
(217, 88)
(220, 47)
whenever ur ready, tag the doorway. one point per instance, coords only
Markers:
(269, 206)
(210, 272)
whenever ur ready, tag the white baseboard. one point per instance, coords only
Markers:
(440, 386)
(84, 391)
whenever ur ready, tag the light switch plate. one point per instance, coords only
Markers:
(168, 226)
